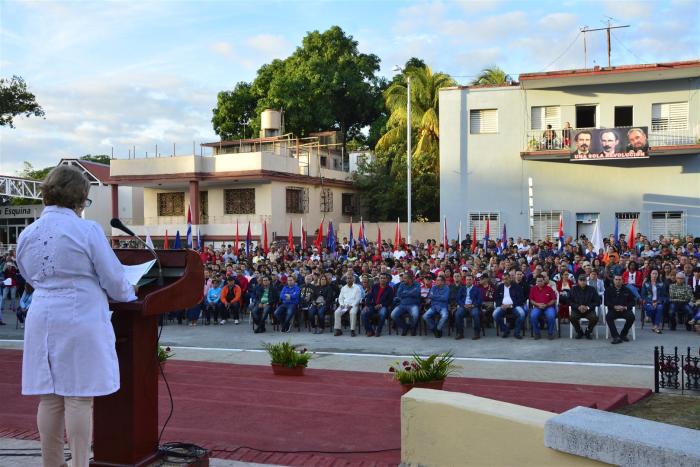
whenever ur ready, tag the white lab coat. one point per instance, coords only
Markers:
(68, 338)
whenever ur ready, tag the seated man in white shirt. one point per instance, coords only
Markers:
(348, 302)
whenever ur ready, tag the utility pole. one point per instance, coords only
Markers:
(607, 29)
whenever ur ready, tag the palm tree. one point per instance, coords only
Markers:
(492, 76)
(425, 129)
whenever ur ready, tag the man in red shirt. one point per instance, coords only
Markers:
(542, 300)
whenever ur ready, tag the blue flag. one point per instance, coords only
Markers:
(351, 242)
(189, 236)
(617, 231)
(178, 243)
(330, 239)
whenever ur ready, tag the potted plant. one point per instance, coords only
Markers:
(164, 353)
(429, 372)
(286, 359)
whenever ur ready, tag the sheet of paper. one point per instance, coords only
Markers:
(137, 271)
(7, 282)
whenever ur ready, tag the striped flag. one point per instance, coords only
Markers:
(351, 241)
(560, 234)
(487, 233)
(189, 227)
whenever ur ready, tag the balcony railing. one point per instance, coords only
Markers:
(537, 140)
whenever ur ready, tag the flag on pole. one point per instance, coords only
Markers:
(166, 246)
(630, 240)
(330, 242)
(459, 234)
(178, 243)
(617, 231)
(504, 239)
(444, 233)
(303, 235)
(318, 243)
(248, 240)
(189, 227)
(473, 245)
(397, 235)
(560, 234)
(149, 242)
(361, 235)
(379, 236)
(351, 241)
(597, 239)
(266, 247)
(487, 233)
(199, 239)
(290, 237)
(238, 245)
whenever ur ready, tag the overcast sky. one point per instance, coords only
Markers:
(119, 74)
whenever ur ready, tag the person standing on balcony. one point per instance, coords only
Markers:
(549, 137)
(566, 134)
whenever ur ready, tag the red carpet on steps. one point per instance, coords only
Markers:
(327, 417)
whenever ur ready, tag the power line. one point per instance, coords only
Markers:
(641, 60)
(564, 52)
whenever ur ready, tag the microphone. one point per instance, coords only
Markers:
(118, 224)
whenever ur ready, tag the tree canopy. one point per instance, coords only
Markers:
(326, 84)
(16, 100)
(492, 75)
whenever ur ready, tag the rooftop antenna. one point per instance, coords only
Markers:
(585, 29)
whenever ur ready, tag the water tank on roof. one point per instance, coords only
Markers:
(271, 123)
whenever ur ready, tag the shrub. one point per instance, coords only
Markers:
(286, 354)
(433, 368)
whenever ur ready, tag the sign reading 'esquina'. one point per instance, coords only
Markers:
(610, 144)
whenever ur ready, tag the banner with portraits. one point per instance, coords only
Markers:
(609, 144)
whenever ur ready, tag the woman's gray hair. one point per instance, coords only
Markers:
(65, 186)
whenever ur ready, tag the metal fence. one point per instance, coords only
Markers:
(537, 140)
(674, 372)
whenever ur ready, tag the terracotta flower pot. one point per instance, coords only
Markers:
(437, 384)
(282, 370)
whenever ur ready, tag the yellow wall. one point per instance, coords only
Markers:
(442, 428)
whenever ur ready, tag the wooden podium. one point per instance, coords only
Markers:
(126, 422)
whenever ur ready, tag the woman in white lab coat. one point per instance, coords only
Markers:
(69, 352)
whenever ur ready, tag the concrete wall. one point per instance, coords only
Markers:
(420, 231)
(484, 172)
(441, 428)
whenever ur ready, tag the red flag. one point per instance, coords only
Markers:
(303, 235)
(266, 248)
(474, 240)
(165, 243)
(630, 240)
(397, 235)
(430, 248)
(189, 215)
(379, 237)
(290, 237)
(237, 244)
(319, 237)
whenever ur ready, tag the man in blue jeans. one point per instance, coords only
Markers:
(377, 303)
(289, 298)
(470, 302)
(509, 299)
(408, 301)
(542, 300)
(439, 295)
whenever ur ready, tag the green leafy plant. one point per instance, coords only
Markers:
(164, 353)
(286, 354)
(435, 367)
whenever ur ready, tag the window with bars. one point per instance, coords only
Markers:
(669, 116)
(545, 224)
(297, 200)
(667, 223)
(483, 121)
(239, 201)
(543, 116)
(326, 200)
(171, 204)
(349, 204)
(624, 221)
(478, 220)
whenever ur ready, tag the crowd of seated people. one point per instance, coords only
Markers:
(442, 289)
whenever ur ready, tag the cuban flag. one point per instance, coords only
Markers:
(504, 240)
(189, 227)
(351, 241)
(560, 234)
(487, 233)
(362, 236)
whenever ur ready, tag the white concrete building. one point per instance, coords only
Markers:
(493, 142)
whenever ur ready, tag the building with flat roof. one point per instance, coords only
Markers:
(591, 145)
(274, 179)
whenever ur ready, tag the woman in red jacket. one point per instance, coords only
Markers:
(564, 286)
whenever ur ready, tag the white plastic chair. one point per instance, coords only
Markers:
(621, 321)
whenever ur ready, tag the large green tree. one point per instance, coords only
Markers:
(15, 99)
(325, 84)
(425, 136)
(492, 75)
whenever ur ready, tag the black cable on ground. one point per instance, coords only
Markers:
(162, 373)
(304, 451)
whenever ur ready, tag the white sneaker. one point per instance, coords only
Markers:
(223, 321)
(21, 326)
(235, 322)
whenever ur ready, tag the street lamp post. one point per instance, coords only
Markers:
(408, 153)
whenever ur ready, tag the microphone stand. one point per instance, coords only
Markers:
(117, 224)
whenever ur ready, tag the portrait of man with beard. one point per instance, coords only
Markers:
(583, 145)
